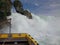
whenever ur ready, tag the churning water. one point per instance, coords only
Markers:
(45, 29)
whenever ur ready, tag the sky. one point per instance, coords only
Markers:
(42, 7)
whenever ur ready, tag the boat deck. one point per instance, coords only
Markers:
(16, 41)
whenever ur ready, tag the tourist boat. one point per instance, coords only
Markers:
(17, 39)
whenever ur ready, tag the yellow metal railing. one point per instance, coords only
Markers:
(21, 35)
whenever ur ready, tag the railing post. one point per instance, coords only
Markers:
(9, 22)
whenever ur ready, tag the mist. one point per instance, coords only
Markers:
(44, 29)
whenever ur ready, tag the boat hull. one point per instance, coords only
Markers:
(17, 39)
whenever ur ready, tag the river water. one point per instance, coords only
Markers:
(45, 29)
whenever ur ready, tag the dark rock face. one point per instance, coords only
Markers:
(5, 8)
(28, 14)
(19, 8)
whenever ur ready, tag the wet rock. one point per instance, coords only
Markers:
(28, 14)
(19, 9)
(5, 7)
(18, 6)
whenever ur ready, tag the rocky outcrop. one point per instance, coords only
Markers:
(19, 8)
(28, 14)
(5, 8)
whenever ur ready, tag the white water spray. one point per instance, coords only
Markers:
(44, 29)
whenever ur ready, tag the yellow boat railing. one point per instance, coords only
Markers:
(21, 35)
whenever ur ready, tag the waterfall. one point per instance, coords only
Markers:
(46, 30)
